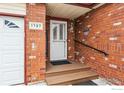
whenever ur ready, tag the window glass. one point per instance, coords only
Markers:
(10, 24)
(55, 33)
(61, 31)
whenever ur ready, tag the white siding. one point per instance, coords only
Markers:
(14, 8)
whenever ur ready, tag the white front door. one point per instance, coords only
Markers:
(58, 40)
(11, 50)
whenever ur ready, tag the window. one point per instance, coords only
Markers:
(10, 24)
(55, 33)
(61, 31)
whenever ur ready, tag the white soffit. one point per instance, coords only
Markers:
(65, 10)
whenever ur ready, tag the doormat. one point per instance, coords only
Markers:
(60, 62)
(86, 83)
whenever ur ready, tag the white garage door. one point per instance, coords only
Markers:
(11, 50)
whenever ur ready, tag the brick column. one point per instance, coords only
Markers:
(35, 44)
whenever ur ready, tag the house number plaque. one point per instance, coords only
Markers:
(35, 25)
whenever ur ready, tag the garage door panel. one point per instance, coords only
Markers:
(15, 33)
(12, 76)
(16, 51)
(11, 35)
(12, 59)
(17, 47)
(13, 46)
(7, 66)
(11, 51)
(13, 39)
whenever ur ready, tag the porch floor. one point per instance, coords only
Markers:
(68, 74)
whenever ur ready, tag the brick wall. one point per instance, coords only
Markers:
(35, 44)
(70, 37)
(70, 42)
(106, 33)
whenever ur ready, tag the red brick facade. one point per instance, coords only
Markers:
(70, 42)
(106, 33)
(106, 26)
(35, 56)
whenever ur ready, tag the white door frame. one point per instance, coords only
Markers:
(63, 22)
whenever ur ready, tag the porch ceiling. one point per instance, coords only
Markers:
(65, 10)
(69, 11)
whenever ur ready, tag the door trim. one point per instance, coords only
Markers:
(57, 21)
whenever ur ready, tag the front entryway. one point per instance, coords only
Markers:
(58, 40)
(11, 50)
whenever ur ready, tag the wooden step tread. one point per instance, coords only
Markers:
(66, 67)
(69, 77)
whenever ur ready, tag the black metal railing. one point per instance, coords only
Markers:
(100, 51)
